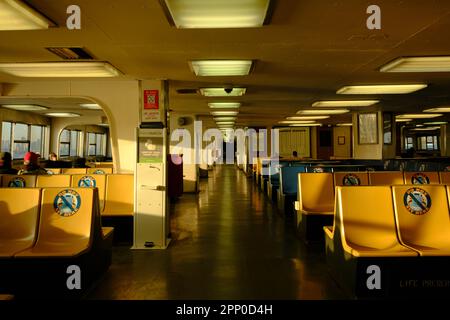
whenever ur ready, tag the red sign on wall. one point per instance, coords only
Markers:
(151, 99)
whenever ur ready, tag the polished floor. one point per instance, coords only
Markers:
(230, 242)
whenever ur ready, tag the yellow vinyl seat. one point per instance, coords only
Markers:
(119, 195)
(421, 178)
(19, 212)
(74, 171)
(351, 179)
(16, 181)
(53, 181)
(99, 170)
(385, 178)
(91, 181)
(53, 170)
(66, 223)
(365, 219)
(444, 177)
(423, 220)
(315, 204)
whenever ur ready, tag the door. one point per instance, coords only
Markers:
(324, 143)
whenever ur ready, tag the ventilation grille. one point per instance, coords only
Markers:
(71, 53)
(187, 91)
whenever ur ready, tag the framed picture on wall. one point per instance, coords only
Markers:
(368, 128)
(341, 140)
(387, 128)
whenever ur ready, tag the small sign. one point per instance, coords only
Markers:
(151, 99)
(417, 201)
(67, 203)
(351, 180)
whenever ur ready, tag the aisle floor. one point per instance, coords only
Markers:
(229, 242)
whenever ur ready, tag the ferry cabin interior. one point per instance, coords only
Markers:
(147, 201)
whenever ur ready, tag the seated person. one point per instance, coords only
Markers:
(295, 154)
(53, 162)
(79, 163)
(31, 164)
(52, 157)
(6, 164)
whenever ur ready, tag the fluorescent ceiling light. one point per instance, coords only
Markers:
(24, 107)
(440, 109)
(323, 112)
(418, 116)
(342, 103)
(91, 106)
(214, 68)
(218, 13)
(220, 92)
(225, 119)
(225, 122)
(419, 125)
(426, 129)
(345, 124)
(62, 114)
(103, 125)
(224, 105)
(16, 15)
(224, 113)
(306, 125)
(308, 118)
(403, 120)
(418, 64)
(297, 122)
(382, 89)
(60, 69)
(435, 123)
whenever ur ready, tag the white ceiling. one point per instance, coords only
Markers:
(309, 50)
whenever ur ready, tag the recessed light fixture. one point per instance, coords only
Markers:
(16, 15)
(435, 123)
(62, 114)
(222, 68)
(66, 69)
(224, 113)
(297, 122)
(348, 103)
(306, 125)
(224, 105)
(440, 109)
(418, 64)
(349, 124)
(419, 116)
(426, 129)
(308, 118)
(186, 14)
(220, 92)
(225, 122)
(91, 106)
(323, 112)
(24, 107)
(403, 120)
(103, 125)
(225, 119)
(382, 89)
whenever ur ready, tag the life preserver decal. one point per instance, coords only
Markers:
(351, 180)
(417, 201)
(420, 178)
(87, 182)
(67, 203)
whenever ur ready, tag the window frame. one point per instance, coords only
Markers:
(69, 143)
(13, 141)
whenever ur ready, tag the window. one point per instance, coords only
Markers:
(95, 144)
(6, 136)
(409, 143)
(68, 143)
(19, 138)
(428, 143)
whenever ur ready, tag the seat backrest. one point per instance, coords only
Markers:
(74, 170)
(53, 181)
(422, 214)
(367, 216)
(19, 213)
(22, 181)
(385, 178)
(67, 216)
(119, 196)
(91, 181)
(444, 177)
(316, 192)
(99, 170)
(289, 179)
(421, 177)
(351, 179)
